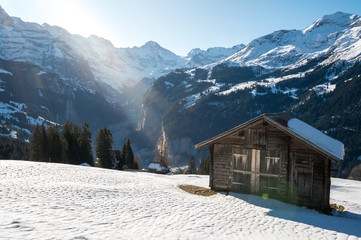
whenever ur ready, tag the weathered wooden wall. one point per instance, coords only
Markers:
(319, 168)
(222, 162)
(303, 177)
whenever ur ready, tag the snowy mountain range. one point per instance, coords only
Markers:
(336, 35)
(50, 46)
(287, 70)
(90, 65)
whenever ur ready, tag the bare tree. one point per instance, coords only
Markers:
(161, 151)
(137, 160)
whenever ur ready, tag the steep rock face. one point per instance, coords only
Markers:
(30, 95)
(282, 71)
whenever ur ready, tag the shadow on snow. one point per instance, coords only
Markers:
(346, 222)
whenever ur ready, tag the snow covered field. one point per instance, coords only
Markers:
(55, 201)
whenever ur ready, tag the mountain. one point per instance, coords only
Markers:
(197, 57)
(30, 95)
(49, 46)
(92, 66)
(334, 34)
(312, 73)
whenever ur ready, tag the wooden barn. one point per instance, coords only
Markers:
(276, 156)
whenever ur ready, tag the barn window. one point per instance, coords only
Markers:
(271, 165)
(240, 162)
(270, 171)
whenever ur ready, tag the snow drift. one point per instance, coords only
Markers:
(46, 200)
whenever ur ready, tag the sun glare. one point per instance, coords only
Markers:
(76, 17)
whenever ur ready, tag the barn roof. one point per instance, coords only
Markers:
(294, 127)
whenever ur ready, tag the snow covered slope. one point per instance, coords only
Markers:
(46, 200)
(54, 48)
(336, 34)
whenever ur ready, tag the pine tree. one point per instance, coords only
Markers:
(13, 149)
(129, 156)
(68, 139)
(191, 166)
(35, 145)
(85, 145)
(39, 145)
(122, 157)
(55, 144)
(72, 135)
(43, 145)
(204, 166)
(119, 160)
(103, 148)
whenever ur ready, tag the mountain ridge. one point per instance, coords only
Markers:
(115, 67)
(282, 71)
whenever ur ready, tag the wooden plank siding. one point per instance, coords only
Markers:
(320, 174)
(222, 162)
(263, 159)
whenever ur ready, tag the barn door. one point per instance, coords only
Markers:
(246, 170)
(303, 175)
(241, 165)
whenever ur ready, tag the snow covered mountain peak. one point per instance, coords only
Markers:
(151, 44)
(100, 41)
(333, 22)
(199, 57)
(286, 48)
(194, 52)
(152, 47)
(5, 19)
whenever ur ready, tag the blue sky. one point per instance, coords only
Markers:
(178, 25)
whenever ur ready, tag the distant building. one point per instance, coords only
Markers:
(157, 167)
(277, 156)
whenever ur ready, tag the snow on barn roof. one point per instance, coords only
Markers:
(317, 137)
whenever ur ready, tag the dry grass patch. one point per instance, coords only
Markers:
(339, 208)
(197, 190)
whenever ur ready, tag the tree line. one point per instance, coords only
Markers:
(204, 166)
(110, 158)
(73, 145)
(13, 149)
